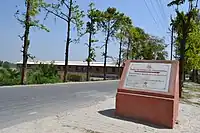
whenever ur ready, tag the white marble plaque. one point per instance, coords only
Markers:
(148, 76)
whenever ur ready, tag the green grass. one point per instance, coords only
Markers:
(192, 89)
(190, 102)
(186, 95)
(192, 94)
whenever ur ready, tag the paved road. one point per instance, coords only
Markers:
(20, 104)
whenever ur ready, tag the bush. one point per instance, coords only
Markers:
(76, 77)
(43, 74)
(9, 76)
(37, 78)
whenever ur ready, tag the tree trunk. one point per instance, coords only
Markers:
(182, 53)
(26, 43)
(185, 31)
(197, 76)
(67, 42)
(172, 42)
(120, 52)
(105, 55)
(127, 52)
(194, 75)
(132, 54)
(184, 79)
(89, 55)
(181, 64)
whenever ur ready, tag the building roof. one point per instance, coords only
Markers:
(72, 63)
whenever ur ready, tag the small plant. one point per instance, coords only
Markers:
(76, 77)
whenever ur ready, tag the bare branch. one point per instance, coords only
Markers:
(46, 15)
(65, 4)
(197, 3)
(102, 46)
(65, 16)
(87, 44)
(21, 37)
(56, 14)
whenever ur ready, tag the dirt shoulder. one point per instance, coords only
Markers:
(99, 118)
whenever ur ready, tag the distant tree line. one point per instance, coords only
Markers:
(7, 64)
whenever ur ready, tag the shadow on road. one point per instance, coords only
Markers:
(111, 113)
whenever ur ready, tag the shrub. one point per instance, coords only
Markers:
(42, 74)
(76, 77)
(9, 76)
(37, 78)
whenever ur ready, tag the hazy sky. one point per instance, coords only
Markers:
(51, 46)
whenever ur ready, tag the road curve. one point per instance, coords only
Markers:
(21, 104)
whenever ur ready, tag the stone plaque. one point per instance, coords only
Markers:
(148, 76)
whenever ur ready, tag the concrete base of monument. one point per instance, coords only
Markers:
(157, 110)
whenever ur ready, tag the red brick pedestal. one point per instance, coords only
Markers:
(159, 108)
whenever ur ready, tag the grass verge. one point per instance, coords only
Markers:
(191, 96)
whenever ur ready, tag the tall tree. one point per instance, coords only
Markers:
(144, 46)
(130, 33)
(73, 17)
(122, 38)
(27, 20)
(192, 58)
(135, 38)
(109, 23)
(91, 28)
(183, 27)
(125, 24)
(139, 39)
(154, 49)
(192, 52)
